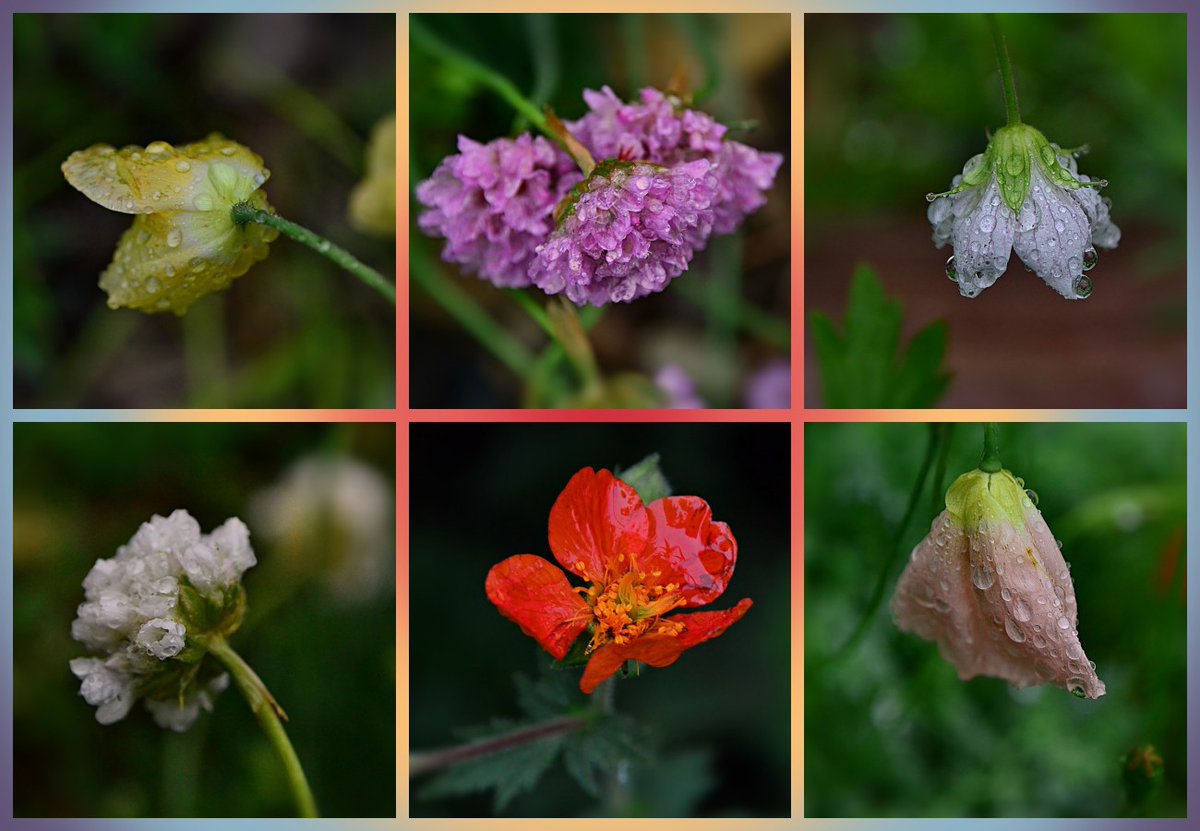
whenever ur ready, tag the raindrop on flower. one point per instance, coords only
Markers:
(1090, 257)
(952, 269)
(1021, 610)
(1014, 632)
(1082, 286)
(174, 237)
(982, 577)
(1033, 497)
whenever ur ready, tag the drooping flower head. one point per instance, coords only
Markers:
(626, 231)
(494, 204)
(640, 563)
(990, 586)
(659, 129)
(149, 612)
(183, 243)
(1023, 193)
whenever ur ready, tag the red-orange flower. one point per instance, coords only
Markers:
(640, 562)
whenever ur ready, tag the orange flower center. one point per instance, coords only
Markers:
(630, 605)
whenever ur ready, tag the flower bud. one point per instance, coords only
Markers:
(991, 588)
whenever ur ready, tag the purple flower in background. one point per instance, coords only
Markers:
(656, 131)
(678, 387)
(494, 204)
(770, 388)
(627, 231)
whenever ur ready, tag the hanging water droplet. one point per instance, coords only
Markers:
(952, 269)
(1032, 494)
(323, 246)
(1078, 692)
(1090, 258)
(982, 576)
(183, 166)
(1014, 631)
(1082, 286)
(174, 237)
(1021, 610)
(1064, 624)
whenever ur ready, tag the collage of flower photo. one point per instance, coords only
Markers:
(437, 414)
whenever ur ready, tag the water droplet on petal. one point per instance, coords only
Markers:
(183, 166)
(1082, 287)
(1033, 497)
(982, 576)
(952, 269)
(1064, 624)
(203, 202)
(1090, 258)
(1014, 631)
(986, 223)
(174, 237)
(1021, 610)
(152, 285)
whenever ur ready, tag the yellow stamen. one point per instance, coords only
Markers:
(629, 607)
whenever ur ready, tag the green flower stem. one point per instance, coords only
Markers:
(507, 349)
(340, 256)
(990, 462)
(938, 493)
(534, 310)
(750, 318)
(431, 760)
(268, 713)
(476, 71)
(1006, 75)
(936, 436)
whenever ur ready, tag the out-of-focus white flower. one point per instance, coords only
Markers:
(990, 586)
(1023, 193)
(333, 514)
(150, 610)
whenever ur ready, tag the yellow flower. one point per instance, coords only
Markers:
(373, 201)
(183, 243)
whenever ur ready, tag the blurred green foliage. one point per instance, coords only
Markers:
(80, 491)
(864, 365)
(714, 729)
(889, 728)
(302, 91)
(902, 118)
(719, 322)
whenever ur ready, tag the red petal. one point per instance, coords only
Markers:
(597, 520)
(690, 550)
(661, 650)
(534, 594)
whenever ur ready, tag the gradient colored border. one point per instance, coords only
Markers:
(403, 416)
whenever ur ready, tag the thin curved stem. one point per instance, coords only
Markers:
(938, 493)
(1011, 106)
(431, 760)
(268, 712)
(243, 213)
(881, 582)
(473, 69)
(990, 462)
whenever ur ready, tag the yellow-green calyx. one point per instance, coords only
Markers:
(978, 498)
(1010, 156)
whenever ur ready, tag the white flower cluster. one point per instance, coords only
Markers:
(333, 513)
(133, 617)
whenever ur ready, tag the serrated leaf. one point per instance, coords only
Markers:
(509, 773)
(863, 366)
(592, 755)
(547, 697)
(646, 477)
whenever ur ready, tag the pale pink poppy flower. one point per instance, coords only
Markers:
(990, 586)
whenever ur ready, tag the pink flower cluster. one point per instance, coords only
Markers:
(518, 212)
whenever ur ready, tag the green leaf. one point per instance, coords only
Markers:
(510, 772)
(593, 755)
(864, 367)
(646, 477)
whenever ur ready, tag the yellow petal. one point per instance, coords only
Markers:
(373, 202)
(209, 175)
(167, 261)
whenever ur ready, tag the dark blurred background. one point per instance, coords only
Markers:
(82, 490)
(720, 716)
(889, 728)
(302, 91)
(741, 64)
(894, 107)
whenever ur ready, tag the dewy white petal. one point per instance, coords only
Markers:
(982, 234)
(105, 685)
(161, 638)
(1053, 235)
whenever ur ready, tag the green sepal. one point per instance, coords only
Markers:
(646, 477)
(1010, 156)
(979, 498)
(219, 613)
